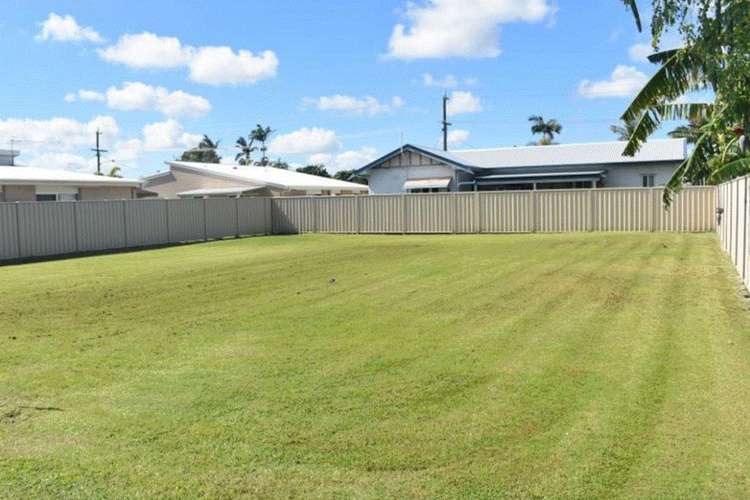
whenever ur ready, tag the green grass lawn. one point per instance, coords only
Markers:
(590, 365)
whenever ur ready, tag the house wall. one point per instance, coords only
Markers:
(390, 177)
(106, 193)
(18, 193)
(177, 181)
(630, 175)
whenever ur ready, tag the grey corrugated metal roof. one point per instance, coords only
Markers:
(597, 153)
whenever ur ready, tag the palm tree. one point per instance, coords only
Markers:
(114, 171)
(624, 130)
(246, 149)
(547, 129)
(261, 135)
(204, 153)
(714, 58)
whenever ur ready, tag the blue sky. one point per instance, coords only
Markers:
(338, 81)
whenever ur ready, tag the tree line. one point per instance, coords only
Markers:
(207, 152)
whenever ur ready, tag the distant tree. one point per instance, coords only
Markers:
(348, 175)
(204, 153)
(279, 164)
(261, 134)
(246, 148)
(548, 129)
(319, 170)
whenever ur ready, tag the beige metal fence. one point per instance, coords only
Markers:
(734, 204)
(52, 228)
(499, 212)
(33, 229)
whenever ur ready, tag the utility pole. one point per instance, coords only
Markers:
(99, 152)
(12, 158)
(445, 122)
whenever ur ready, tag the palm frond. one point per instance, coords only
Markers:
(697, 160)
(636, 15)
(678, 75)
(730, 170)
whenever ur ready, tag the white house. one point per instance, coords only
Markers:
(422, 169)
(205, 180)
(20, 183)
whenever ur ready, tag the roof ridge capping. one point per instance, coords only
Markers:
(565, 145)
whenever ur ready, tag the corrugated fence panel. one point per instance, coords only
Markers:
(8, 231)
(100, 225)
(293, 215)
(564, 211)
(186, 220)
(466, 213)
(337, 214)
(47, 228)
(506, 212)
(146, 222)
(692, 209)
(623, 210)
(382, 214)
(221, 218)
(430, 213)
(734, 229)
(255, 215)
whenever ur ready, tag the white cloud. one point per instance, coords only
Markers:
(447, 81)
(222, 66)
(624, 82)
(127, 151)
(463, 102)
(62, 161)
(346, 160)
(140, 96)
(640, 52)
(168, 134)
(58, 133)
(208, 65)
(305, 141)
(458, 136)
(84, 95)
(66, 29)
(147, 50)
(350, 104)
(460, 28)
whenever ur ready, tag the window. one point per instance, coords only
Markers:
(428, 190)
(647, 180)
(56, 197)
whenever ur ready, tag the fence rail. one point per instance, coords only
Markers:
(734, 203)
(32, 229)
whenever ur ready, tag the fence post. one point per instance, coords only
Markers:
(404, 218)
(358, 212)
(592, 208)
(654, 209)
(166, 218)
(535, 219)
(455, 212)
(477, 209)
(75, 224)
(237, 216)
(205, 220)
(124, 224)
(316, 213)
(18, 230)
(744, 239)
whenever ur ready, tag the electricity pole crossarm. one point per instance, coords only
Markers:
(445, 122)
(98, 152)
